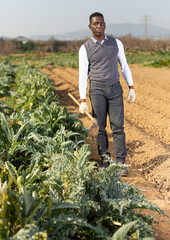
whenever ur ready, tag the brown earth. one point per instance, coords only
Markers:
(147, 128)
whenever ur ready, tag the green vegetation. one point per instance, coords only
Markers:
(59, 59)
(42, 60)
(152, 59)
(6, 79)
(49, 188)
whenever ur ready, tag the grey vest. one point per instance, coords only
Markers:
(103, 61)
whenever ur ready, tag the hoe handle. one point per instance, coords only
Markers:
(87, 113)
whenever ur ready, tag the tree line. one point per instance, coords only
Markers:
(130, 43)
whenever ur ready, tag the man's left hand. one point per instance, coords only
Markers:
(131, 95)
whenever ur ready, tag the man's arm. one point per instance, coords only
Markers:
(126, 70)
(83, 73)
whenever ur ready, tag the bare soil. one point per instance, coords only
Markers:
(147, 128)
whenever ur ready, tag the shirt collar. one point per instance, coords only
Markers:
(95, 41)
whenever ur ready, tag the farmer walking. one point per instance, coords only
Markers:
(98, 59)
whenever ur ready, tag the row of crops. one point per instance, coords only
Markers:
(155, 59)
(49, 188)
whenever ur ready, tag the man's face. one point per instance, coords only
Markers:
(97, 26)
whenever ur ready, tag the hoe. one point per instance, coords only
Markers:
(93, 132)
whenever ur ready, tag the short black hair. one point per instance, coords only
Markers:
(95, 14)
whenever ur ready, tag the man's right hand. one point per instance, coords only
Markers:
(83, 107)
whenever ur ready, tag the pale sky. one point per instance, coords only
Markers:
(50, 17)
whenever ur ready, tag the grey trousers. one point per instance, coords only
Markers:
(109, 100)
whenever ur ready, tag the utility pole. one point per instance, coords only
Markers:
(146, 22)
(146, 26)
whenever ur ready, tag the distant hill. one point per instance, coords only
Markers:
(4, 38)
(136, 30)
(117, 30)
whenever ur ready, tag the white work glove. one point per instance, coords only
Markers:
(83, 107)
(131, 95)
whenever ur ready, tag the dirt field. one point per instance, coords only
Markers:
(147, 128)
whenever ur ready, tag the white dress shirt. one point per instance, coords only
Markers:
(84, 64)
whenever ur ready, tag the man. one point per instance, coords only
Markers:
(98, 59)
